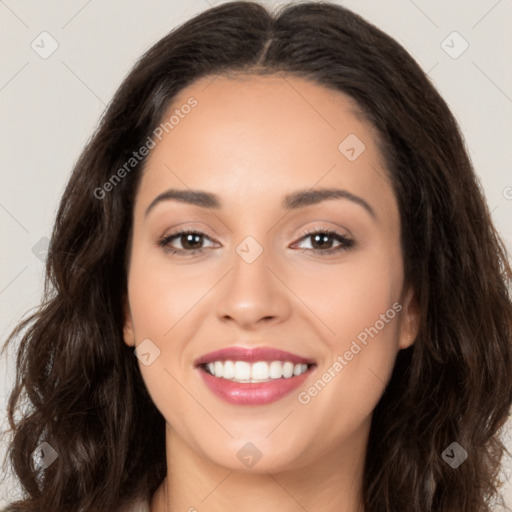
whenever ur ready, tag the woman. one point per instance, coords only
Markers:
(278, 217)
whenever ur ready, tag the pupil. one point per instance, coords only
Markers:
(189, 240)
(322, 239)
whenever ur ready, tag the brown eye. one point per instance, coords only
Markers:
(191, 242)
(321, 241)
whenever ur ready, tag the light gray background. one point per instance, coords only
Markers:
(50, 107)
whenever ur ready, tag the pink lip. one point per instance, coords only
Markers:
(252, 355)
(245, 393)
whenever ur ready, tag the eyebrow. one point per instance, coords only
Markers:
(293, 201)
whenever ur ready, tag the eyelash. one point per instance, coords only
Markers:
(346, 243)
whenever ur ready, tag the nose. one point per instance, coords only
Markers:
(253, 295)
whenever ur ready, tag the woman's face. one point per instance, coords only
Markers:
(264, 148)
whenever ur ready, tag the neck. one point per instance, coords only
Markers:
(194, 484)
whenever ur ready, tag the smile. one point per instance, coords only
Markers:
(257, 376)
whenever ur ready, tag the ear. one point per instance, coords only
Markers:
(128, 334)
(410, 319)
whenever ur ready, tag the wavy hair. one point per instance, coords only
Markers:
(78, 386)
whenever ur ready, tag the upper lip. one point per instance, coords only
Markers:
(251, 355)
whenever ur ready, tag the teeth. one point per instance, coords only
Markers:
(261, 371)
(219, 368)
(242, 370)
(276, 370)
(229, 370)
(287, 370)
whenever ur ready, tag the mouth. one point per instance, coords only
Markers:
(253, 376)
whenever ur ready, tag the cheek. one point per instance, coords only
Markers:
(164, 302)
(349, 297)
(359, 308)
(161, 304)
(161, 294)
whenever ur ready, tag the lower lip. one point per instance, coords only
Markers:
(258, 393)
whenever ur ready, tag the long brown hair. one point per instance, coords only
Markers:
(78, 386)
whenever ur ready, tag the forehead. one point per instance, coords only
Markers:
(282, 108)
(258, 135)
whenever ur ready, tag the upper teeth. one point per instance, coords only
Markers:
(242, 371)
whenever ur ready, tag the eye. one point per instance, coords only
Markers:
(190, 241)
(322, 240)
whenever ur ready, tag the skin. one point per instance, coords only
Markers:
(251, 140)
